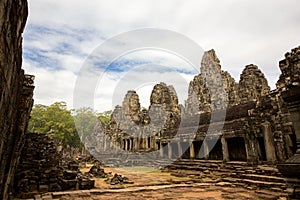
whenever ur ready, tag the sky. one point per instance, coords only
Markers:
(61, 37)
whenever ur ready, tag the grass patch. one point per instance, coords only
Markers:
(139, 169)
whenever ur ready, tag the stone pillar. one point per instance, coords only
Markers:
(104, 144)
(269, 142)
(291, 167)
(147, 143)
(179, 149)
(192, 151)
(225, 149)
(153, 143)
(137, 143)
(126, 144)
(110, 144)
(156, 146)
(116, 145)
(142, 143)
(170, 150)
(130, 144)
(161, 150)
(206, 150)
(252, 148)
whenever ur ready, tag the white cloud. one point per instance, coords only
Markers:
(51, 86)
(61, 34)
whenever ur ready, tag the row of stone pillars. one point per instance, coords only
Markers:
(150, 143)
(190, 148)
(180, 152)
(246, 146)
(138, 143)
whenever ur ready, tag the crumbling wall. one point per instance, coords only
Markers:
(257, 126)
(252, 85)
(38, 169)
(43, 169)
(289, 88)
(290, 70)
(164, 108)
(130, 121)
(212, 89)
(16, 90)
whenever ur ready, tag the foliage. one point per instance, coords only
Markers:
(104, 116)
(56, 119)
(85, 120)
(67, 126)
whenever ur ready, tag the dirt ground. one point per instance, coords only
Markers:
(178, 187)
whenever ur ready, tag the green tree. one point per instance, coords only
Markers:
(85, 120)
(55, 119)
(37, 123)
(104, 116)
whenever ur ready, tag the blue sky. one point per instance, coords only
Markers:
(60, 36)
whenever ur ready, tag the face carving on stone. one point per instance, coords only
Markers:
(134, 105)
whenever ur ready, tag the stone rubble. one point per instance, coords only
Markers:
(41, 169)
(118, 179)
(97, 171)
(16, 91)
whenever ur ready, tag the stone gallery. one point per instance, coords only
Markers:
(255, 123)
(221, 120)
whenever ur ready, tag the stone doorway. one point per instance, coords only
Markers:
(294, 143)
(216, 152)
(199, 153)
(149, 142)
(237, 149)
(262, 149)
(185, 149)
(175, 152)
(165, 149)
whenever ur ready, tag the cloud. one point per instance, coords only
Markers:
(51, 85)
(60, 35)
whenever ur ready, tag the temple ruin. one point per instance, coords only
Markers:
(257, 127)
(221, 120)
(16, 91)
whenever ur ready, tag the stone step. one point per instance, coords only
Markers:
(260, 184)
(221, 171)
(234, 166)
(267, 194)
(262, 178)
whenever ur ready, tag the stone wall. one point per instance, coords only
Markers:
(43, 169)
(255, 115)
(289, 88)
(133, 123)
(39, 167)
(257, 125)
(16, 90)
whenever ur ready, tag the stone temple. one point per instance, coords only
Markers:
(221, 119)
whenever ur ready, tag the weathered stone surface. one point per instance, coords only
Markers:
(16, 90)
(252, 85)
(43, 169)
(290, 69)
(231, 89)
(212, 89)
(97, 171)
(85, 181)
(164, 110)
(256, 127)
(118, 179)
(39, 165)
(130, 122)
(289, 88)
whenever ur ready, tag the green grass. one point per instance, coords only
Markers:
(139, 169)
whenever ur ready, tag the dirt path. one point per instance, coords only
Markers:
(150, 183)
